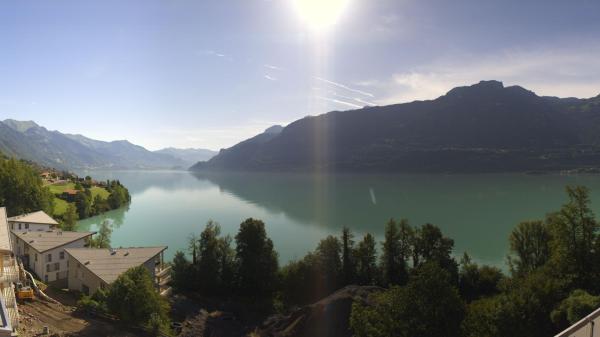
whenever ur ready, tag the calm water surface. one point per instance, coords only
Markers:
(477, 211)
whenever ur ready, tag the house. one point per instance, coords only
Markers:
(9, 318)
(43, 252)
(35, 221)
(93, 268)
(69, 195)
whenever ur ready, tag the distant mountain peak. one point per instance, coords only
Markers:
(494, 84)
(275, 129)
(21, 126)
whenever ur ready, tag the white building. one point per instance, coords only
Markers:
(9, 318)
(43, 252)
(34, 221)
(93, 268)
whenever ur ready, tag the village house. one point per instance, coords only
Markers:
(34, 221)
(69, 195)
(43, 252)
(91, 269)
(9, 319)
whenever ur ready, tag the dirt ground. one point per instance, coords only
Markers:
(63, 321)
(198, 317)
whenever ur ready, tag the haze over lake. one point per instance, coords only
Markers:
(477, 211)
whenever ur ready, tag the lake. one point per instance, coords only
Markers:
(477, 211)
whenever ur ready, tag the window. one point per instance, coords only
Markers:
(12, 226)
(56, 266)
(57, 276)
(49, 257)
(48, 268)
(19, 226)
(61, 255)
(46, 278)
(35, 257)
(26, 226)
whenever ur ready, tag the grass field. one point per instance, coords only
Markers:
(60, 206)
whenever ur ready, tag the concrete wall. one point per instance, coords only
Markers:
(38, 262)
(24, 226)
(79, 276)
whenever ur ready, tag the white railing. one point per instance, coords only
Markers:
(589, 326)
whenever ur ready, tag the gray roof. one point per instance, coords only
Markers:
(39, 217)
(46, 240)
(108, 266)
(4, 236)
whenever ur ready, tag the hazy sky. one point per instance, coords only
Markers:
(204, 73)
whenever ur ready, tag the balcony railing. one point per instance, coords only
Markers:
(162, 271)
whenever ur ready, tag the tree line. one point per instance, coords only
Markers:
(86, 205)
(22, 189)
(552, 279)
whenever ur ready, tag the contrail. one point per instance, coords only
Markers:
(339, 85)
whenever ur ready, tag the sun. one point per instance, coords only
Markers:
(320, 15)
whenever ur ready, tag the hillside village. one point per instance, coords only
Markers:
(37, 254)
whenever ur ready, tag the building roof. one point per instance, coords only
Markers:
(46, 240)
(108, 263)
(39, 217)
(4, 235)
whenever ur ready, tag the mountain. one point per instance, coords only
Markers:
(479, 128)
(27, 140)
(189, 156)
(240, 153)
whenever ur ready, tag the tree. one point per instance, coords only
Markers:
(529, 244)
(366, 261)
(575, 239)
(430, 245)
(133, 298)
(215, 260)
(475, 282)
(393, 258)
(100, 205)
(119, 195)
(84, 203)
(70, 218)
(301, 281)
(328, 254)
(182, 272)
(256, 259)
(575, 307)
(102, 239)
(428, 306)
(22, 190)
(348, 263)
(528, 300)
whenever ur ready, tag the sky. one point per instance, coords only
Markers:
(208, 74)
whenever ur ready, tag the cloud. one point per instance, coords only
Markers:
(345, 87)
(337, 101)
(565, 72)
(270, 78)
(214, 53)
(272, 67)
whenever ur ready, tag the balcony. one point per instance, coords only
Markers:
(9, 271)
(162, 271)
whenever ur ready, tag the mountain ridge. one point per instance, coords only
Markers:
(478, 128)
(30, 141)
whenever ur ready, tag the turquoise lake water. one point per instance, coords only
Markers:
(477, 211)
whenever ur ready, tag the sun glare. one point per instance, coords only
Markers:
(320, 15)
